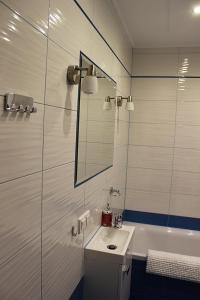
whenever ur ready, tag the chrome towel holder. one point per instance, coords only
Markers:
(19, 103)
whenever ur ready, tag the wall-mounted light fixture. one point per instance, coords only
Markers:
(89, 82)
(129, 103)
(118, 102)
(107, 105)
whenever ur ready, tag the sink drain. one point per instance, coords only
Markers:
(112, 247)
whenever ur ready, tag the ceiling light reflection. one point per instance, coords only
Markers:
(56, 17)
(16, 17)
(5, 38)
(196, 10)
(12, 28)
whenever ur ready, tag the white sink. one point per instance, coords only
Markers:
(118, 239)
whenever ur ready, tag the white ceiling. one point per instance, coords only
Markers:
(160, 23)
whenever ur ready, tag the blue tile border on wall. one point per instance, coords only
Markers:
(184, 222)
(144, 217)
(162, 219)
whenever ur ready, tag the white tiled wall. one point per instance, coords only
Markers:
(164, 134)
(38, 41)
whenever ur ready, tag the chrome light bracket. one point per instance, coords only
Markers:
(74, 73)
(108, 99)
(19, 103)
(120, 99)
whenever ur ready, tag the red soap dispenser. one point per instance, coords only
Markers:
(107, 217)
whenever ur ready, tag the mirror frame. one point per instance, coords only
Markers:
(76, 184)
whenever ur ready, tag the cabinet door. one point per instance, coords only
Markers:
(125, 279)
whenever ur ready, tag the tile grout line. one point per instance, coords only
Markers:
(174, 143)
(164, 147)
(58, 166)
(63, 48)
(172, 169)
(23, 176)
(129, 125)
(59, 107)
(15, 254)
(37, 172)
(165, 76)
(148, 191)
(154, 191)
(44, 170)
(42, 181)
(167, 123)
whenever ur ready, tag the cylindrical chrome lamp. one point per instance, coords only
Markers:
(107, 105)
(89, 82)
(129, 104)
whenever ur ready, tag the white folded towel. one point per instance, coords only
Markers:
(173, 265)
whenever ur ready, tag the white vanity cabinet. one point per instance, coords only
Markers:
(108, 272)
(125, 279)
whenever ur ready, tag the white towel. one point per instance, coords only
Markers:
(173, 265)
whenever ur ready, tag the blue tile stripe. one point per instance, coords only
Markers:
(144, 217)
(184, 222)
(162, 220)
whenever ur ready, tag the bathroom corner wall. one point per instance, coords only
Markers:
(164, 137)
(38, 202)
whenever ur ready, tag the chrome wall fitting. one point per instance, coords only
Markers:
(19, 103)
(74, 73)
(74, 232)
(108, 99)
(119, 101)
(89, 83)
(129, 103)
(114, 192)
(118, 221)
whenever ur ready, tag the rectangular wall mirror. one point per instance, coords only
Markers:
(95, 125)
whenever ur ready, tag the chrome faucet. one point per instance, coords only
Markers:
(114, 192)
(118, 221)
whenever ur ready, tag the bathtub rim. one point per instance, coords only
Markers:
(143, 256)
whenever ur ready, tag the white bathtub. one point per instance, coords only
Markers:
(160, 238)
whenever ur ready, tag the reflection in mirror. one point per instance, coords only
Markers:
(95, 132)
